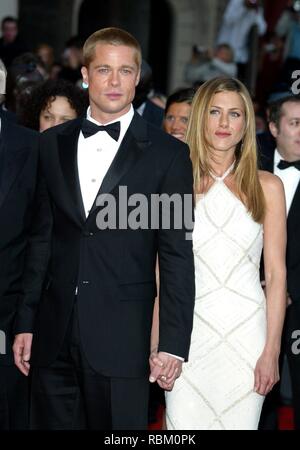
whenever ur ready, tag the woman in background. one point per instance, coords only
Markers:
(51, 103)
(178, 108)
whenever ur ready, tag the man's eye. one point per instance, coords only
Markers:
(170, 118)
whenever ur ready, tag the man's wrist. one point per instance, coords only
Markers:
(174, 356)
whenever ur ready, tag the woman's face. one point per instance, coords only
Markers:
(176, 119)
(56, 112)
(226, 121)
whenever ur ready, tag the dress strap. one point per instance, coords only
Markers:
(230, 168)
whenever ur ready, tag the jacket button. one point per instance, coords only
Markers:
(88, 233)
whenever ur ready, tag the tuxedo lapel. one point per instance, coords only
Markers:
(131, 149)
(294, 211)
(67, 151)
(13, 158)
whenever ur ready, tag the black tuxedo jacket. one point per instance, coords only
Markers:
(293, 234)
(113, 269)
(18, 169)
(153, 114)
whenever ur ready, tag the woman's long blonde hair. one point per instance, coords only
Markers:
(245, 170)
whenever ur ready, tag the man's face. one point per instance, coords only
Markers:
(288, 134)
(224, 54)
(112, 76)
(9, 31)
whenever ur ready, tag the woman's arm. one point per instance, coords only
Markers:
(155, 327)
(155, 319)
(266, 371)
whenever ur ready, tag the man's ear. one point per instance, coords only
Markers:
(273, 129)
(85, 76)
(138, 78)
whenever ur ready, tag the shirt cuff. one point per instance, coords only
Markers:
(174, 356)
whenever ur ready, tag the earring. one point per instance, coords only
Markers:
(84, 85)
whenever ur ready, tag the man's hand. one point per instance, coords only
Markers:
(164, 369)
(22, 351)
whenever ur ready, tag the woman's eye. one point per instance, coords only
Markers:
(169, 118)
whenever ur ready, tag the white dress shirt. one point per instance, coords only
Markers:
(236, 25)
(95, 155)
(290, 178)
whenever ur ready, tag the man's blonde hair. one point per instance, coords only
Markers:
(112, 36)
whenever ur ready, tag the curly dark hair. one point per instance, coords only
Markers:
(41, 94)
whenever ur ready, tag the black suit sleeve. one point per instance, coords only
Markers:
(176, 262)
(36, 260)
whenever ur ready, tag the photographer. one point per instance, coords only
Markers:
(220, 63)
(239, 17)
(288, 29)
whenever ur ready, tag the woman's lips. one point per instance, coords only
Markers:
(222, 135)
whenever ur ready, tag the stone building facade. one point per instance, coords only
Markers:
(166, 29)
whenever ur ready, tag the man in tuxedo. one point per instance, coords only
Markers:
(18, 167)
(284, 161)
(91, 334)
(143, 105)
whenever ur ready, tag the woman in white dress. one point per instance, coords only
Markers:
(235, 344)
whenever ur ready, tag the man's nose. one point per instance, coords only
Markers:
(115, 78)
(176, 124)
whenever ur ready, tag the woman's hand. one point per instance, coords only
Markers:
(164, 369)
(266, 373)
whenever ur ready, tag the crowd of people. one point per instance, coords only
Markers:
(97, 308)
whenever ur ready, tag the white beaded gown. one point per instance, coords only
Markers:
(215, 390)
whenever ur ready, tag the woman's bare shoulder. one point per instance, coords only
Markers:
(271, 184)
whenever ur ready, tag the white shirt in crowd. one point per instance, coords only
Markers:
(236, 25)
(290, 178)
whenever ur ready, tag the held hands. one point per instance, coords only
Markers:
(164, 369)
(266, 373)
(22, 352)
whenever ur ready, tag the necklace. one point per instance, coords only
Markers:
(222, 177)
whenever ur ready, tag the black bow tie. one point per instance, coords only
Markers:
(89, 128)
(286, 164)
